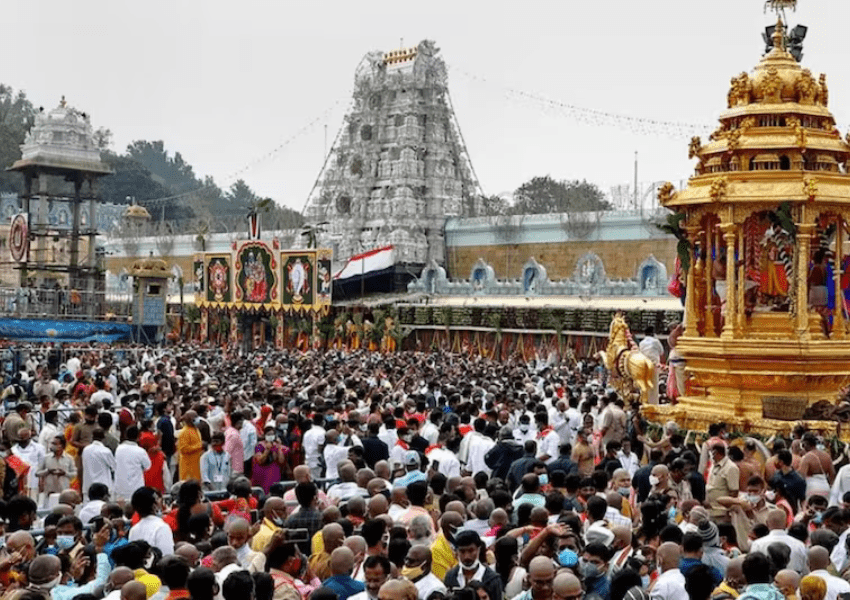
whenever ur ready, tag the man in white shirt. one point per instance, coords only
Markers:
(313, 440)
(134, 462)
(151, 528)
(479, 445)
(333, 454)
(50, 429)
(248, 432)
(840, 486)
(548, 440)
(431, 429)
(628, 459)
(654, 351)
(818, 563)
(776, 524)
(670, 584)
(98, 497)
(446, 461)
(32, 454)
(98, 462)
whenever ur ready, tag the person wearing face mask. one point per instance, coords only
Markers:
(470, 568)
(31, 454)
(44, 574)
(238, 536)
(269, 460)
(189, 447)
(56, 470)
(215, 465)
(524, 431)
(443, 554)
(593, 569)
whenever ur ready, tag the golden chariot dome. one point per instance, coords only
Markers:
(134, 212)
(763, 240)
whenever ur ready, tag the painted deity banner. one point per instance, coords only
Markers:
(324, 280)
(298, 278)
(255, 274)
(218, 279)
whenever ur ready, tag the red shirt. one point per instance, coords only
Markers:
(153, 476)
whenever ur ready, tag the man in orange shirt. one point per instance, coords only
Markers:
(189, 447)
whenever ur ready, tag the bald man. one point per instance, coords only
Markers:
(776, 525)
(442, 549)
(44, 574)
(378, 505)
(541, 576)
(238, 534)
(417, 568)
(301, 474)
(622, 545)
(566, 585)
(357, 545)
(734, 582)
(787, 582)
(115, 581)
(274, 514)
(818, 562)
(397, 589)
(189, 553)
(224, 562)
(332, 537)
(670, 584)
(340, 581)
(133, 590)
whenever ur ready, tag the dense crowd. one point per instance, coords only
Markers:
(138, 473)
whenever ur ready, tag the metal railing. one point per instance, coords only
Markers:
(53, 303)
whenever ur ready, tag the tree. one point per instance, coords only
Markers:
(129, 179)
(174, 173)
(17, 116)
(492, 206)
(543, 195)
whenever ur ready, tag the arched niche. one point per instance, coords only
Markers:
(651, 275)
(533, 277)
(590, 270)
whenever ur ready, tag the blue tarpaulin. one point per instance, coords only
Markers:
(51, 330)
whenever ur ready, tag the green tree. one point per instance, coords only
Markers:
(129, 179)
(173, 172)
(543, 195)
(493, 206)
(17, 115)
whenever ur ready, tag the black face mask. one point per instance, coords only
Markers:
(385, 494)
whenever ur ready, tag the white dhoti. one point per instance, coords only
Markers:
(720, 288)
(817, 484)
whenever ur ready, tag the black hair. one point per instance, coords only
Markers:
(756, 568)
(174, 572)
(143, 500)
(201, 584)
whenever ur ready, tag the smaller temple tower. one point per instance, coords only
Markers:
(150, 288)
(60, 161)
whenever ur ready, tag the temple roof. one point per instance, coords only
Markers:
(63, 140)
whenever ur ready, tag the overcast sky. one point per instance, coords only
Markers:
(226, 83)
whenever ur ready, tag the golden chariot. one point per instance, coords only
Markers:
(763, 239)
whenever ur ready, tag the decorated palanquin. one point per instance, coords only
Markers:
(288, 288)
(764, 243)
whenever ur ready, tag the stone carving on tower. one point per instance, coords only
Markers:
(398, 168)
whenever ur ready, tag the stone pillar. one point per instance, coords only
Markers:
(838, 332)
(804, 237)
(91, 263)
(690, 293)
(730, 235)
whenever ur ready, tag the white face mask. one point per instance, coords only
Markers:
(270, 437)
(523, 428)
(653, 480)
(753, 498)
(48, 585)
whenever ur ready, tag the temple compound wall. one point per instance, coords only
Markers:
(622, 240)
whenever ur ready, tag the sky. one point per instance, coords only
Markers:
(258, 89)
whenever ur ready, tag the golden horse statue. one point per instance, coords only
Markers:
(628, 366)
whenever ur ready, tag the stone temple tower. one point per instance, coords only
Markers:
(398, 168)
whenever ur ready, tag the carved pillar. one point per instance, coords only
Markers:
(730, 235)
(234, 329)
(804, 237)
(690, 294)
(838, 332)
(708, 250)
(203, 334)
(278, 332)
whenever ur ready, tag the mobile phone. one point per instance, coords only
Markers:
(297, 535)
(435, 464)
(254, 516)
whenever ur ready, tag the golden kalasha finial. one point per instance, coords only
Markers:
(779, 35)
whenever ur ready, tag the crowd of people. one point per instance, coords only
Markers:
(138, 473)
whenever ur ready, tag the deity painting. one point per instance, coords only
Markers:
(255, 278)
(768, 259)
(218, 280)
(325, 281)
(298, 279)
(198, 273)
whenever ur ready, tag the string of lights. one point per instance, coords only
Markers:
(250, 165)
(590, 116)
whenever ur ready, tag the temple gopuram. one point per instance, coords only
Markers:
(764, 245)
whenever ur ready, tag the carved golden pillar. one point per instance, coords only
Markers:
(730, 235)
(804, 238)
(709, 286)
(838, 332)
(204, 333)
(690, 294)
